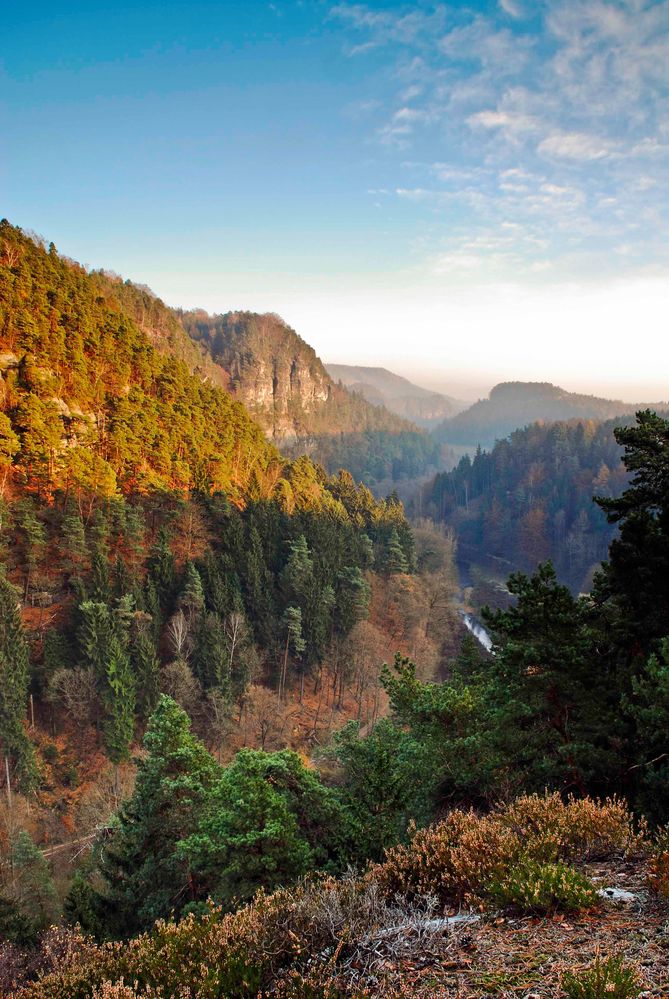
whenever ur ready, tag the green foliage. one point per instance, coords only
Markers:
(533, 887)
(388, 780)
(268, 821)
(103, 641)
(633, 585)
(146, 878)
(530, 498)
(14, 680)
(32, 886)
(551, 712)
(608, 977)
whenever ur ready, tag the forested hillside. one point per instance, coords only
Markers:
(513, 405)
(287, 389)
(153, 542)
(530, 499)
(465, 864)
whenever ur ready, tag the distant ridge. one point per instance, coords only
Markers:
(512, 405)
(383, 387)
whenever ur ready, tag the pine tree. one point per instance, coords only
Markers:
(353, 596)
(553, 708)
(210, 661)
(191, 598)
(33, 887)
(632, 588)
(145, 876)
(145, 665)
(395, 560)
(14, 681)
(162, 569)
(103, 640)
(99, 585)
(118, 699)
(72, 543)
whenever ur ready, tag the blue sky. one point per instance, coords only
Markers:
(464, 192)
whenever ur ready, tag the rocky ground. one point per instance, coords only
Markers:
(522, 956)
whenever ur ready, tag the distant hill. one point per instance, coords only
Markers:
(399, 395)
(512, 405)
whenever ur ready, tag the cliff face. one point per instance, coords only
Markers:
(280, 378)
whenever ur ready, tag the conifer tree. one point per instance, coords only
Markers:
(14, 681)
(145, 665)
(210, 661)
(191, 598)
(162, 569)
(33, 886)
(146, 879)
(103, 641)
(553, 709)
(72, 543)
(395, 561)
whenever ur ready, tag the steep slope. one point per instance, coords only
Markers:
(530, 499)
(103, 392)
(281, 379)
(512, 405)
(285, 386)
(382, 387)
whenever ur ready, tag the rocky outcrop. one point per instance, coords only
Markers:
(280, 378)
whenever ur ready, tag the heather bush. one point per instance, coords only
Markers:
(542, 888)
(581, 827)
(608, 979)
(456, 858)
(658, 866)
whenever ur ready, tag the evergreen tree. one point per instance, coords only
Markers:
(211, 661)
(14, 681)
(33, 887)
(468, 661)
(553, 709)
(145, 665)
(99, 585)
(258, 591)
(146, 879)
(268, 821)
(103, 640)
(191, 598)
(352, 602)
(72, 543)
(118, 699)
(395, 559)
(647, 705)
(632, 588)
(162, 569)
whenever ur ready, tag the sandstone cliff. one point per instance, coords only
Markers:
(281, 380)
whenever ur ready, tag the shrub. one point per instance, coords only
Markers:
(608, 979)
(580, 828)
(658, 866)
(534, 887)
(451, 860)
(457, 857)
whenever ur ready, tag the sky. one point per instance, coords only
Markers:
(462, 192)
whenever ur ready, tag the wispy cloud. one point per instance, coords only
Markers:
(545, 123)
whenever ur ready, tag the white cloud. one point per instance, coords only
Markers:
(558, 123)
(575, 146)
(508, 121)
(511, 8)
